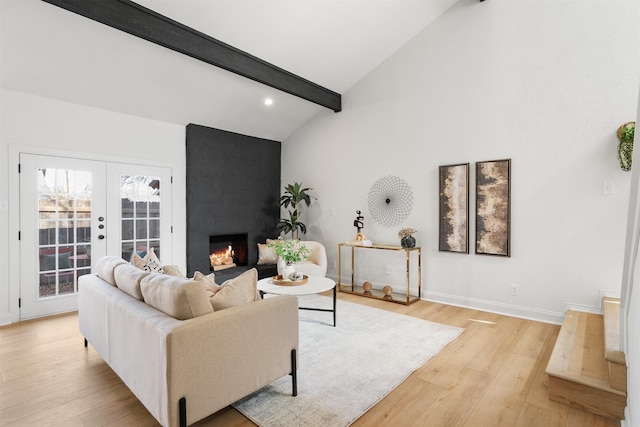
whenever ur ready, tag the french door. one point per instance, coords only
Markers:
(73, 212)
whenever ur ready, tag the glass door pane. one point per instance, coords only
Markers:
(64, 229)
(140, 214)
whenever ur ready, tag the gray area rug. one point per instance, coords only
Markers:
(344, 371)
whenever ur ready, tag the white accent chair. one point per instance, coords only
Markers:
(315, 264)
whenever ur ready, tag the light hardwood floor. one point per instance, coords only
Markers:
(492, 375)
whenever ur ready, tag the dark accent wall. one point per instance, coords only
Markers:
(233, 186)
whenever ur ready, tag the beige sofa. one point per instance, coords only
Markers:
(184, 370)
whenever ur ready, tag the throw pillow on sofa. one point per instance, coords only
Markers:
(207, 281)
(237, 291)
(151, 263)
(267, 255)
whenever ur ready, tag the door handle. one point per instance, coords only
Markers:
(101, 236)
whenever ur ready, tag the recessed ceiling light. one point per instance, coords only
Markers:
(268, 101)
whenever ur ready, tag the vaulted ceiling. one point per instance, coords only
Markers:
(48, 51)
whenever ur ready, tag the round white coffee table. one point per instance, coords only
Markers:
(315, 285)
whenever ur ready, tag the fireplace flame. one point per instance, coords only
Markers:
(222, 258)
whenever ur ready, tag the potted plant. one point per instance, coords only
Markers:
(625, 134)
(294, 195)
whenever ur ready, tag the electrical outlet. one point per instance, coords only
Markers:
(387, 270)
(515, 289)
(334, 265)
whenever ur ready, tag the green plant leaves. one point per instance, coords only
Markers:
(294, 195)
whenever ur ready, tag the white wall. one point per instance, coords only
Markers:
(543, 83)
(73, 130)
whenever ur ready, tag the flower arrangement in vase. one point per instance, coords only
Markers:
(290, 252)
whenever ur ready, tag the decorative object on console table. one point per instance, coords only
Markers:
(406, 237)
(493, 207)
(294, 195)
(625, 134)
(360, 238)
(454, 208)
(366, 288)
(390, 200)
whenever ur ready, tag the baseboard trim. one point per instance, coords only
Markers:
(579, 307)
(495, 307)
(7, 319)
(591, 309)
(528, 313)
(609, 294)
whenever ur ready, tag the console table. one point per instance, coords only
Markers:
(405, 298)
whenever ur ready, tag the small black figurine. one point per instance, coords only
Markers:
(359, 224)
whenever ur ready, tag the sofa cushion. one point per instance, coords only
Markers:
(178, 297)
(128, 279)
(105, 268)
(236, 291)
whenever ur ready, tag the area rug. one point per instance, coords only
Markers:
(344, 371)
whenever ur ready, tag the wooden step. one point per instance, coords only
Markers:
(577, 369)
(615, 358)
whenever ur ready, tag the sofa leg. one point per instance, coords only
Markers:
(85, 342)
(182, 406)
(294, 374)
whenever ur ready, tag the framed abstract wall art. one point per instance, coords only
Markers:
(493, 207)
(454, 208)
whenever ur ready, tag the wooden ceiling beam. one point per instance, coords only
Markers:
(139, 21)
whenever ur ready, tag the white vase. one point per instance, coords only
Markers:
(287, 271)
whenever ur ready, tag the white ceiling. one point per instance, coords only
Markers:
(50, 52)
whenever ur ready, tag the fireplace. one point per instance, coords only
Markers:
(227, 251)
